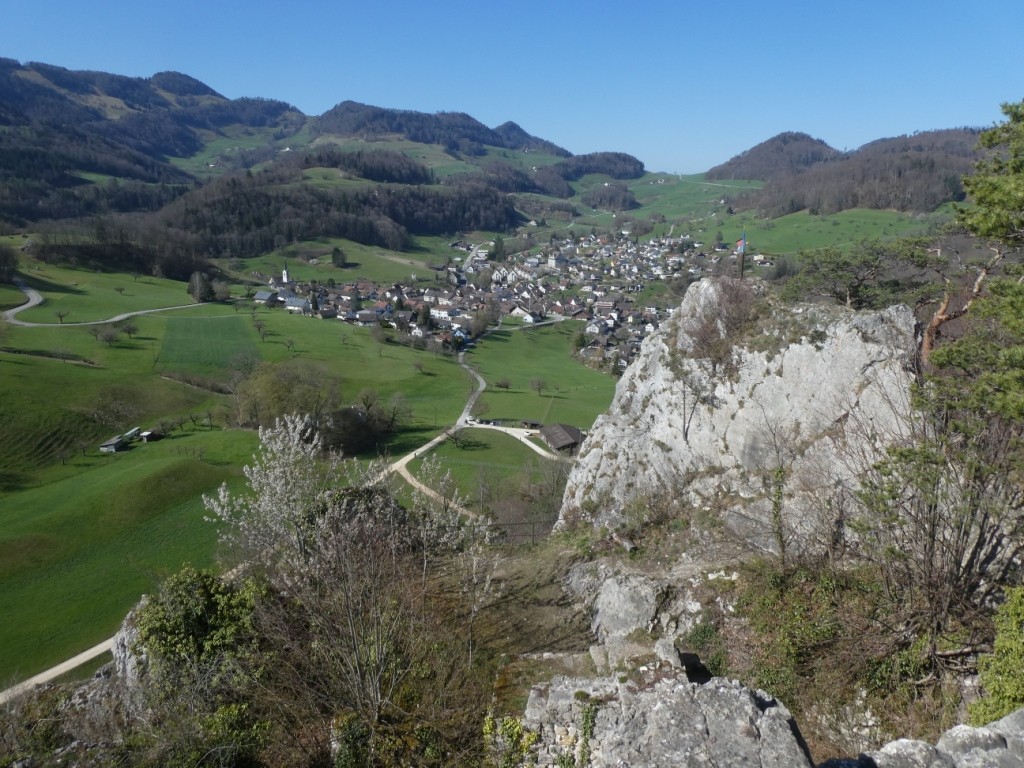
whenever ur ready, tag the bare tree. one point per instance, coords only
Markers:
(538, 385)
(61, 314)
(108, 335)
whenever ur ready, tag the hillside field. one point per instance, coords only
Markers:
(83, 534)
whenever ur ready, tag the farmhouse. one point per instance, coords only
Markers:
(297, 304)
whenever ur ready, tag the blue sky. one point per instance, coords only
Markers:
(682, 85)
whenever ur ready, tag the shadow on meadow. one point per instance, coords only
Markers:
(12, 480)
(43, 285)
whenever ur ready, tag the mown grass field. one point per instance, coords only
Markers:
(204, 345)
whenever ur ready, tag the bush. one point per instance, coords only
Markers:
(1002, 671)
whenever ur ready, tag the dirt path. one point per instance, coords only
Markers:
(57, 671)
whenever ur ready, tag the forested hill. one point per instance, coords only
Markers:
(783, 155)
(906, 173)
(75, 145)
(455, 131)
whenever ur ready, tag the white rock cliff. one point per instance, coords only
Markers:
(808, 397)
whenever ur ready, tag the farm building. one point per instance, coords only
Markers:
(113, 445)
(562, 437)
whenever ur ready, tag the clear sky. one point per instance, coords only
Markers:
(683, 84)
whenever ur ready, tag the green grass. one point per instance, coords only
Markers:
(76, 553)
(199, 165)
(50, 407)
(206, 345)
(90, 296)
(311, 260)
(486, 453)
(10, 297)
(574, 394)
(798, 231)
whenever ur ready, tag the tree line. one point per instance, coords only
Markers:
(246, 215)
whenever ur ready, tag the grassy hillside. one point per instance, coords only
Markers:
(83, 534)
(76, 552)
(573, 394)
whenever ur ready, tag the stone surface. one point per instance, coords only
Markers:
(626, 603)
(997, 745)
(829, 377)
(656, 717)
(659, 718)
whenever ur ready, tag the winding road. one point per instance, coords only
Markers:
(400, 467)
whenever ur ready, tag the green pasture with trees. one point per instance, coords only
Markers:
(495, 475)
(531, 376)
(136, 516)
(85, 296)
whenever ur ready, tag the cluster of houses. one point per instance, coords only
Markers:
(596, 279)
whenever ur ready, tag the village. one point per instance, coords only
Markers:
(599, 280)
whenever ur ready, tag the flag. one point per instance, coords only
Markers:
(741, 244)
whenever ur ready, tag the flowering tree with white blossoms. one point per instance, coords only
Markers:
(290, 478)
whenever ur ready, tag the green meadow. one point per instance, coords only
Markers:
(206, 346)
(483, 455)
(76, 552)
(802, 231)
(88, 296)
(573, 394)
(83, 534)
(312, 261)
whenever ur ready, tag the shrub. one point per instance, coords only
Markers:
(1002, 671)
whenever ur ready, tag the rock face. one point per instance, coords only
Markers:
(783, 424)
(659, 718)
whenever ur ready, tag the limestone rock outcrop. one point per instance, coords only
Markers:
(808, 394)
(996, 745)
(659, 718)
